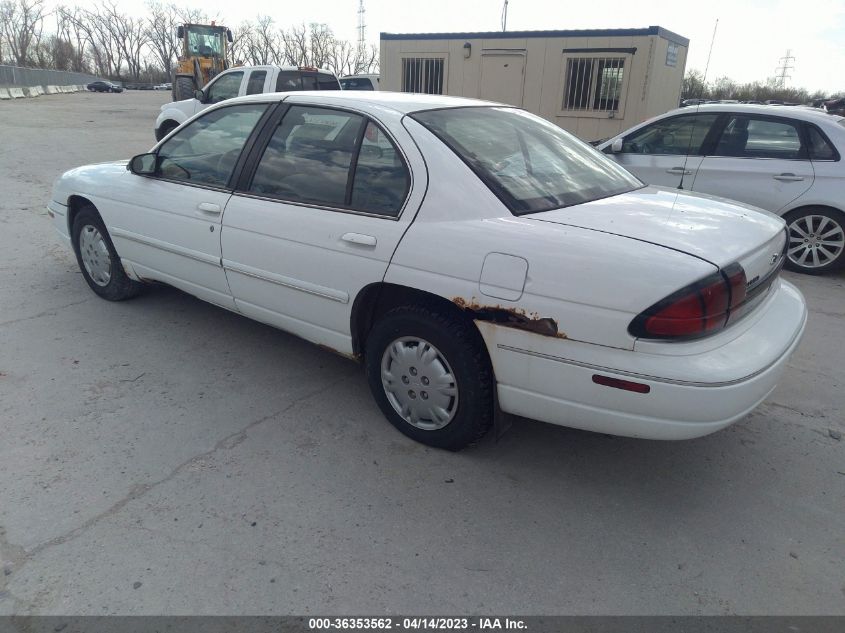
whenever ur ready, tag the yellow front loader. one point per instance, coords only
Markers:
(203, 55)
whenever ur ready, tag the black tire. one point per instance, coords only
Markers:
(119, 287)
(166, 128)
(459, 343)
(802, 224)
(183, 88)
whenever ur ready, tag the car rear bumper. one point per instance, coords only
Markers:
(693, 390)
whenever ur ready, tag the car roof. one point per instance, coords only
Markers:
(304, 69)
(804, 113)
(402, 102)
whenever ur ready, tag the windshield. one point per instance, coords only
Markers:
(530, 164)
(205, 41)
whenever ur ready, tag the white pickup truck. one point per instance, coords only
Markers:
(245, 80)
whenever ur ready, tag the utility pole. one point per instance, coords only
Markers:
(362, 40)
(505, 16)
(784, 68)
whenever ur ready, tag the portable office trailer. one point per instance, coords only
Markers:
(594, 83)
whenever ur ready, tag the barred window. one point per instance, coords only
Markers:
(423, 74)
(593, 83)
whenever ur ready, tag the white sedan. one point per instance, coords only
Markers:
(787, 160)
(475, 257)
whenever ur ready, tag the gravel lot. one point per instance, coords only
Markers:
(165, 456)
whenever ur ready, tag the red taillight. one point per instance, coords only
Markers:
(696, 310)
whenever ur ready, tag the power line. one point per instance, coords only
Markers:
(362, 27)
(784, 68)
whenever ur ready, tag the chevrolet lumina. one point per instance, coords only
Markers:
(471, 255)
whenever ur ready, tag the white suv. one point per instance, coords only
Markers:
(787, 160)
(244, 80)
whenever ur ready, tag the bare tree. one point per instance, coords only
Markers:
(161, 26)
(22, 22)
(129, 36)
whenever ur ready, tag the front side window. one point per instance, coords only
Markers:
(205, 152)
(308, 157)
(750, 137)
(679, 135)
(255, 85)
(530, 164)
(226, 87)
(593, 83)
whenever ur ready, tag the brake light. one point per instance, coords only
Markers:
(699, 309)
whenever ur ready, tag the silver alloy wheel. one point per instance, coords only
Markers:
(419, 383)
(95, 255)
(815, 241)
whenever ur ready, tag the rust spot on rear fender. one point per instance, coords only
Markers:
(517, 318)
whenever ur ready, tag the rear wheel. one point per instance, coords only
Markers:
(97, 258)
(816, 240)
(431, 377)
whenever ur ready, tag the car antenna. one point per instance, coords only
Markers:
(698, 105)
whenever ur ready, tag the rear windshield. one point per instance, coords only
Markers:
(530, 164)
(299, 80)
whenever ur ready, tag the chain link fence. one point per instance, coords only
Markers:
(15, 76)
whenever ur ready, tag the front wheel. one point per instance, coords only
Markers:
(97, 258)
(429, 372)
(816, 240)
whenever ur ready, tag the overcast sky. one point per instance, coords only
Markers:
(751, 37)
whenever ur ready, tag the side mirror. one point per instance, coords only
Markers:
(199, 95)
(143, 164)
(229, 36)
(616, 146)
(180, 32)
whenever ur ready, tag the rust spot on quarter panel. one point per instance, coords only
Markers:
(517, 318)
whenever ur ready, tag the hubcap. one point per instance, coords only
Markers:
(95, 255)
(815, 241)
(419, 383)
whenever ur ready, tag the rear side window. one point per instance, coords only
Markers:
(750, 137)
(308, 157)
(288, 80)
(256, 82)
(679, 135)
(381, 180)
(820, 148)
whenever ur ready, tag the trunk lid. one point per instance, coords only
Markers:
(716, 230)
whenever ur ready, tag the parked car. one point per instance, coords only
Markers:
(785, 160)
(103, 86)
(458, 248)
(165, 86)
(359, 82)
(244, 81)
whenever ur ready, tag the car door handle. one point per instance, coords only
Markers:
(788, 177)
(209, 207)
(680, 171)
(359, 238)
